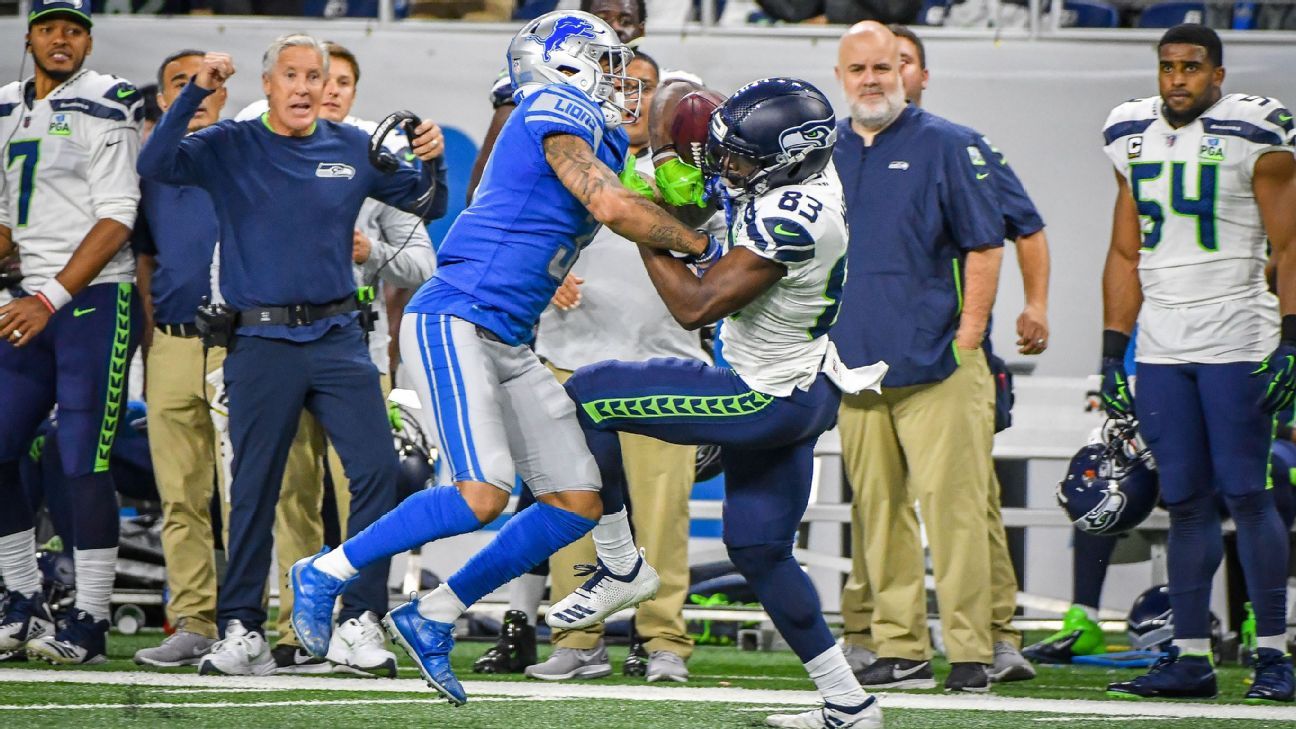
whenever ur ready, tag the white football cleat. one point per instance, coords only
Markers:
(867, 715)
(240, 653)
(359, 646)
(603, 594)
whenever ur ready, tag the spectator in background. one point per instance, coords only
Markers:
(297, 343)
(841, 12)
(1023, 225)
(926, 243)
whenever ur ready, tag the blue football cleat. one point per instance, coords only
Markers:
(429, 643)
(1172, 677)
(1273, 677)
(314, 595)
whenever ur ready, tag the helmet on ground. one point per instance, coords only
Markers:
(1150, 624)
(578, 49)
(1110, 486)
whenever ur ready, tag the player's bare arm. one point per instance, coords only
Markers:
(1274, 185)
(981, 280)
(732, 283)
(601, 192)
(7, 247)
(1032, 324)
(1122, 293)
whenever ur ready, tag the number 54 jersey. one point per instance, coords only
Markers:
(69, 161)
(1202, 261)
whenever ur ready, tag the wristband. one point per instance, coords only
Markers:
(1115, 343)
(664, 153)
(1289, 328)
(53, 295)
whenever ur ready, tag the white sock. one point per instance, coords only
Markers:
(525, 594)
(834, 679)
(18, 562)
(1090, 612)
(335, 563)
(1193, 646)
(615, 543)
(95, 570)
(441, 605)
(1273, 642)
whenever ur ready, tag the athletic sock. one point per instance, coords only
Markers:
(18, 562)
(95, 571)
(1193, 646)
(424, 517)
(335, 563)
(833, 677)
(441, 605)
(1272, 642)
(1090, 612)
(527, 538)
(615, 544)
(525, 594)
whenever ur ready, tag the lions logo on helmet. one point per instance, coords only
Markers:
(1110, 486)
(581, 51)
(566, 27)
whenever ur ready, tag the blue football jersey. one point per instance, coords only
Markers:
(505, 255)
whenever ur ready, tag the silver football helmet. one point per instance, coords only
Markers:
(578, 49)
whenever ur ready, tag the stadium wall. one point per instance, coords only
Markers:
(1042, 102)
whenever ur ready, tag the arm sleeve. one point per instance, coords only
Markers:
(1274, 133)
(172, 157)
(408, 266)
(6, 221)
(418, 190)
(1021, 218)
(110, 173)
(770, 233)
(560, 110)
(968, 198)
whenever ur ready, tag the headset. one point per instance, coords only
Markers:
(383, 160)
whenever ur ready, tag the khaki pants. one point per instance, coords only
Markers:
(929, 443)
(660, 478)
(184, 446)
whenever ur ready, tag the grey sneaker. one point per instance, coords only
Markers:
(181, 648)
(858, 657)
(666, 666)
(568, 663)
(1009, 664)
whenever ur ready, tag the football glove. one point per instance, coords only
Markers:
(1279, 373)
(681, 184)
(634, 183)
(1117, 399)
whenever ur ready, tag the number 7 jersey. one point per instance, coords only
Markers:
(1204, 247)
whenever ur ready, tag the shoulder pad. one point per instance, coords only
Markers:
(1131, 117)
(1258, 119)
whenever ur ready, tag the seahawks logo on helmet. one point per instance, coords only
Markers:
(1106, 514)
(814, 134)
(564, 28)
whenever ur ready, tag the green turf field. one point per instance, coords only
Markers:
(729, 689)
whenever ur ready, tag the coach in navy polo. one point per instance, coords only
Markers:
(287, 189)
(926, 243)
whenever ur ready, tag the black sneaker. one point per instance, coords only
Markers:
(636, 662)
(293, 659)
(515, 649)
(897, 673)
(969, 677)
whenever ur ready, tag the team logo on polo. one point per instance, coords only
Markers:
(563, 29)
(814, 134)
(974, 154)
(60, 125)
(335, 171)
(1212, 149)
(1134, 147)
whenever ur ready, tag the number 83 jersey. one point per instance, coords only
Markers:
(69, 161)
(778, 342)
(1204, 248)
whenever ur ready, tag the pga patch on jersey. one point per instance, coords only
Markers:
(60, 125)
(1212, 149)
(334, 171)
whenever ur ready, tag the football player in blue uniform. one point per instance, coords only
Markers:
(497, 411)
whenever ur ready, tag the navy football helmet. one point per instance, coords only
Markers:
(770, 133)
(1110, 486)
(1150, 623)
(414, 449)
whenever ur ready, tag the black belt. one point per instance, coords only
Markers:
(187, 331)
(296, 315)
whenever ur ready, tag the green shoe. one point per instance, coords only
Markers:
(1079, 636)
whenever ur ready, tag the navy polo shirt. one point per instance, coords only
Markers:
(177, 226)
(917, 201)
(1021, 218)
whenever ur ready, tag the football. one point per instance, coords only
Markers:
(689, 125)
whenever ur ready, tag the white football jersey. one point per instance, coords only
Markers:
(69, 161)
(779, 341)
(1204, 251)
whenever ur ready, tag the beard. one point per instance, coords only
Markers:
(57, 75)
(877, 116)
(1181, 118)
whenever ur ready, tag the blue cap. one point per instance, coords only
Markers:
(78, 10)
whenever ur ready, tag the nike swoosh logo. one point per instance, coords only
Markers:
(900, 674)
(1284, 118)
(123, 93)
(780, 230)
(410, 156)
(109, 144)
(82, 312)
(982, 175)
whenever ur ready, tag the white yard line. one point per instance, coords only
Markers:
(480, 690)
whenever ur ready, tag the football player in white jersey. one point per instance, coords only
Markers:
(68, 197)
(777, 289)
(1203, 180)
